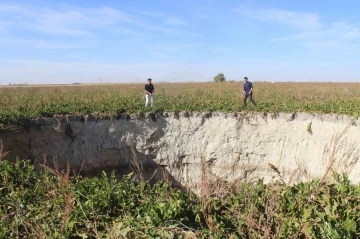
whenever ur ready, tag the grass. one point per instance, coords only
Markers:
(18, 104)
(56, 205)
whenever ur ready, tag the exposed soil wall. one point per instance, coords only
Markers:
(182, 146)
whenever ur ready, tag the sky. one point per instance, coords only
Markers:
(85, 41)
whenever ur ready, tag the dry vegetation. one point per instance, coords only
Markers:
(21, 103)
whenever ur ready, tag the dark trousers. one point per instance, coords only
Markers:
(251, 99)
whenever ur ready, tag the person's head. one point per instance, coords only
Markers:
(149, 80)
(245, 79)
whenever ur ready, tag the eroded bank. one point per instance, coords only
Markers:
(181, 147)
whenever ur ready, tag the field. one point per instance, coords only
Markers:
(21, 103)
(56, 205)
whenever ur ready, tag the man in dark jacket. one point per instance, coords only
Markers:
(149, 93)
(248, 91)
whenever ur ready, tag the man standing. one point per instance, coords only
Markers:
(248, 90)
(149, 93)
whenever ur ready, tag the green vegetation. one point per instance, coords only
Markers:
(219, 78)
(22, 103)
(54, 204)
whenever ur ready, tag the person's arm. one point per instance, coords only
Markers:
(251, 89)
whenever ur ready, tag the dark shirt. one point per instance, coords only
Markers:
(149, 88)
(247, 87)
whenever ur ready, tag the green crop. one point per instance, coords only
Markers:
(22, 103)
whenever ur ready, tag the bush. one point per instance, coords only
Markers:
(220, 77)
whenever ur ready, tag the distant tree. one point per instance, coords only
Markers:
(220, 77)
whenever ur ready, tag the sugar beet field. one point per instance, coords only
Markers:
(21, 103)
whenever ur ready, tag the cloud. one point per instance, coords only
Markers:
(156, 28)
(166, 18)
(63, 23)
(278, 66)
(336, 35)
(319, 44)
(72, 21)
(301, 20)
(324, 63)
(202, 16)
(11, 8)
(75, 21)
(346, 31)
(36, 43)
(2, 25)
(46, 20)
(165, 50)
(175, 21)
(82, 33)
(353, 34)
(159, 22)
(312, 32)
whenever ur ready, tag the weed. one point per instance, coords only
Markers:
(48, 205)
(2, 153)
(339, 154)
